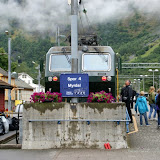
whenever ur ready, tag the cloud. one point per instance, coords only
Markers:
(45, 15)
(106, 10)
(35, 15)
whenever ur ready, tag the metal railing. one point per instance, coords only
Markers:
(140, 65)
(88, 121)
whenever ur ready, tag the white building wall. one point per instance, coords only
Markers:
(26, 94)
(29, 80)
(26, 78)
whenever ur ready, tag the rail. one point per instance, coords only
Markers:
(88, 121)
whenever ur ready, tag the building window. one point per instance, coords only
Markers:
(23, 76)
(16, 95)
(20, 95)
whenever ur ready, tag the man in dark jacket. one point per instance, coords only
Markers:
(127, 95)
(158, 106)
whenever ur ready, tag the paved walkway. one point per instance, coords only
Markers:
(144, 145)
(147, 138)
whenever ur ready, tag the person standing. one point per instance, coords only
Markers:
(142, 108)
(157, 101)
(127, 93)
(151, 100)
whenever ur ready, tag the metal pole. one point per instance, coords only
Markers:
(139, 83)
(58, 36)
(143, 83)
(9, 73)
(39, 78)
(74, 39)
(144, 86)
(153, 78)
(117, 86)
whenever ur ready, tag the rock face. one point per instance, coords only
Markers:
(86, 125)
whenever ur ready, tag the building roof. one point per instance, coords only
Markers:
(5, 85)
(19, 74)
(21, 84)
(2, 71)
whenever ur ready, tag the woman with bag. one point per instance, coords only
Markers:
(151, 100)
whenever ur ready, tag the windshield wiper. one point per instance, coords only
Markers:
(101, 54)
(66, 55)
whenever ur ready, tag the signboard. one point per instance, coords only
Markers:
(74, 85)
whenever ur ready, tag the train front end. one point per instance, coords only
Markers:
(97, 61)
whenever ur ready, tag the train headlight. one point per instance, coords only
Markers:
(104, 78)
(55, 78)
(109, 78)
(49, 79)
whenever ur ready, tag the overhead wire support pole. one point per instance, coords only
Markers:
(9, 73)
(39, 78)
(58, 40)
(117, 86)
(74, 39)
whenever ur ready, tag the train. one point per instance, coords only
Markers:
(97, 61)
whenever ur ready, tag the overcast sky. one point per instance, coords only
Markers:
(42, 15)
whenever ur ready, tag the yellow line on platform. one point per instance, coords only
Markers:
(135, 125)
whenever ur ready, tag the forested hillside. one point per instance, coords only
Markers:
(135, 38)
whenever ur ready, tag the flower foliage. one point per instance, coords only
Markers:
(101, 96)
(48, 96)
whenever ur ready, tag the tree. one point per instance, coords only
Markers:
(3, 59)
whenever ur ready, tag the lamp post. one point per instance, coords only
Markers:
(151, 70)
(9, 69)
(143, 80)
(137, 82)
(39, 75)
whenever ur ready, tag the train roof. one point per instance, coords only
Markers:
(94, 49)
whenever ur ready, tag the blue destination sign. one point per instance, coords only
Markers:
(74, 85)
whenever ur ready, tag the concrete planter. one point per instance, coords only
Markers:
(80, 126)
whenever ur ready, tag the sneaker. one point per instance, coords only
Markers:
(141, 125)
(158, 127)
(147, 124)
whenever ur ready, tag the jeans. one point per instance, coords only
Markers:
(145, 117)
(158, 112)
(152, 106)
(129, 110)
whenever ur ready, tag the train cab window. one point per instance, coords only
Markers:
(96, 62)
(60, 63)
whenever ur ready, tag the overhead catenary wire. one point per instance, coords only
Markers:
(88, 21)
(90, 27)
(81, 22)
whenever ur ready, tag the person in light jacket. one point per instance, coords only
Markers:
(141, 103)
